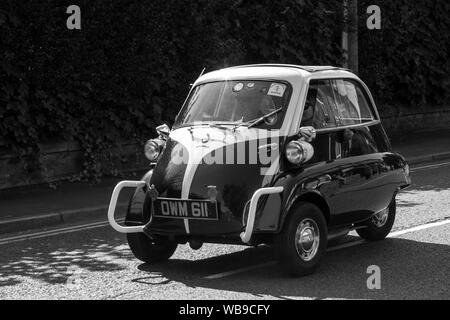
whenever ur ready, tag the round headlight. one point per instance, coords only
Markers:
(298, 152)
(153, 149)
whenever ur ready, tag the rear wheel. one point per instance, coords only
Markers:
(379, 225)
(303, 241)
(151, 250)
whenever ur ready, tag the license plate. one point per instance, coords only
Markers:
(185, 209)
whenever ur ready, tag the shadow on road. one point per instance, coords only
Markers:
(54, 263)
(409, 270)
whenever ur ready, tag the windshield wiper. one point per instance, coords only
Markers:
(218, 126)
(252, 123)
(211, 125)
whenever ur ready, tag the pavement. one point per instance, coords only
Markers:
(424, 147)
(41, 206)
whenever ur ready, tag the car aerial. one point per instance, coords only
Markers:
(282, 155)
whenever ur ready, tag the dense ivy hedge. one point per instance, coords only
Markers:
(406, 63)
(129, 67)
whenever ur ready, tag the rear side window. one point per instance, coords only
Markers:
(351, 105)
(335, 103)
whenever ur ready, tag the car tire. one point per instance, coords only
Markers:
(150, 250)
(303, 241)
(378, 226)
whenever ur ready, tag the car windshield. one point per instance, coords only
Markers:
(236, 102)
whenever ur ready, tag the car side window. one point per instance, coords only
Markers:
(337, 104)
(318, 110)
(350, 104)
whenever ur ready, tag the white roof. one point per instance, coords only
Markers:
(274, 72)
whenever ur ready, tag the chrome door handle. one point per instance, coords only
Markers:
(340, 178)
(324, 180)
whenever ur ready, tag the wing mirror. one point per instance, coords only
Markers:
(154, 147)
(163, 131)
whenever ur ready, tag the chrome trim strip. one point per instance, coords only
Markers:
(272, 146)
(113, 203)
(358, 125)
(247, 234)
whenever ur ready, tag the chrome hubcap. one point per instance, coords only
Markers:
(380, 218)
(307, 239)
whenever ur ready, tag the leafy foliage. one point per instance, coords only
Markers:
(129, 67)
(406, 63)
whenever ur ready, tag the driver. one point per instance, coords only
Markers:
(314, 114)
(243, 110)
(267, 106)
(308, 112)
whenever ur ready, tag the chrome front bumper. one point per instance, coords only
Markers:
(113, 204)
(245, 235)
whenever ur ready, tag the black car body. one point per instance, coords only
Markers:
(322, 144)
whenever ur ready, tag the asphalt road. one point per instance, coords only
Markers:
(96, 263)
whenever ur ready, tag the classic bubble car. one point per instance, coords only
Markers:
(282, 155)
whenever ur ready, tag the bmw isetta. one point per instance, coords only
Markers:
(284, 155)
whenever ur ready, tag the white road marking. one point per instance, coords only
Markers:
(430, 166)
(335, 248)
(54, 232)
(419, 228)
(232, 272)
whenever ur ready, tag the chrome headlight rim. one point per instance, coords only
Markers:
(291, 147)
(298, 152)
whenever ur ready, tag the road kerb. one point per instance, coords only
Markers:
(428, 158)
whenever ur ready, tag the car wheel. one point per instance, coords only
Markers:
(150, 250)
(303, 241)
(379, 225)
